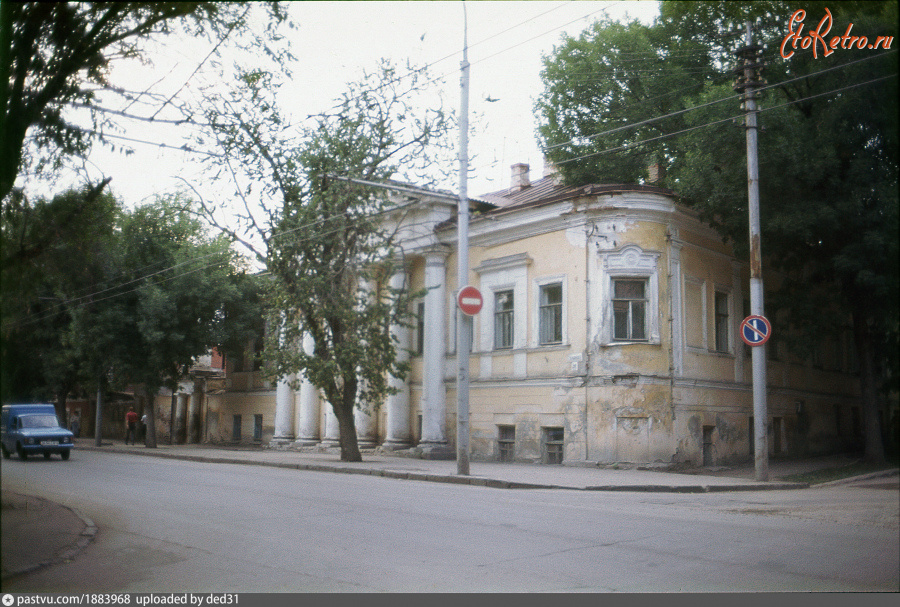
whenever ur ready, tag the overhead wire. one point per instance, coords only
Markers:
(88, 299)
(184, 148)
(393, 209)
(715, 122)
(729, 98)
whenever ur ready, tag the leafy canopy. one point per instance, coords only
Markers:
(326, 245)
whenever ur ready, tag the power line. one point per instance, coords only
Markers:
(80, 301)
(715, 122)
(729, 98)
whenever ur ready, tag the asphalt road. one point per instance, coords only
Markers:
(168, 525)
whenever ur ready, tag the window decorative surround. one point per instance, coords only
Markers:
(502, 275)
(507, 274)
(630, 261)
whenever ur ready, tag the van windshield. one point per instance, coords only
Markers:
(38, 421)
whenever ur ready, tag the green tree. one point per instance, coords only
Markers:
(56, 55)
(54, 254)
(828, 156)
(121, 298)
(171, 308)
(614, 78)
(322, 240)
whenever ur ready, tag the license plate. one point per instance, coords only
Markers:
(48, 443)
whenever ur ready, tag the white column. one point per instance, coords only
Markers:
(366, 427)
(398, 433)
(434, 406)
(284, 412)
(363, 412)
(310, 410)
(332, 430)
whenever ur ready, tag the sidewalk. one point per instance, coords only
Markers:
(56, 533)
(486, 474)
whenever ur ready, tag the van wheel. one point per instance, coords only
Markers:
(46, 456)
(22, 455)
(65, 455)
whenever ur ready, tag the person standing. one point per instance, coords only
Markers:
(144, 427)
(131, 420)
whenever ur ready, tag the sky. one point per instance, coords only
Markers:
(335, 41)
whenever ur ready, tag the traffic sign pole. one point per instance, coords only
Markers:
(760, 407)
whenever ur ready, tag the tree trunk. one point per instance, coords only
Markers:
(868, 384)
(61, 412)
(347, 427)
(344, 398)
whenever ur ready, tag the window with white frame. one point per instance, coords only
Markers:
(550, 314)
(629, 295)
(504, 328)
(723, 322)
(629, 304)
(501, 325)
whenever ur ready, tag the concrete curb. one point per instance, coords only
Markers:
(463, 480)
(861, 477)
(64, 554)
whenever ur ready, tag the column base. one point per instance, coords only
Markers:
(305, 442)
(281, 442)
(437, 451)
(394, 445)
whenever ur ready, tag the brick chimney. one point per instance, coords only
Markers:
(656, 173)
(520, 178)
(551, 171)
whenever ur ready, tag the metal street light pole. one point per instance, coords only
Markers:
(463, 321)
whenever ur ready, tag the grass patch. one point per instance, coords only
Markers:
(839, 472)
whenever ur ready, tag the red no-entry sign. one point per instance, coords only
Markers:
(469, 300)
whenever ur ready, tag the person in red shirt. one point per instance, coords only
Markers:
(131, 419)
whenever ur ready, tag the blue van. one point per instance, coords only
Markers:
(32, 429)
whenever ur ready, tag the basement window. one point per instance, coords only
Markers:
(552, 445)
(236, 428)
(506, 443)
(257, 427)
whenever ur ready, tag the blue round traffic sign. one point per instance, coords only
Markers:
(756, 330)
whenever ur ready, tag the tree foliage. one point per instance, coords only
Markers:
(827, 152)
(120, 298)
(57, 55)
(325, 247)
(53, 253)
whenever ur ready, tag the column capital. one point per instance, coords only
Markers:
(436, 254)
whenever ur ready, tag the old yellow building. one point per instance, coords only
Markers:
(609, 333)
